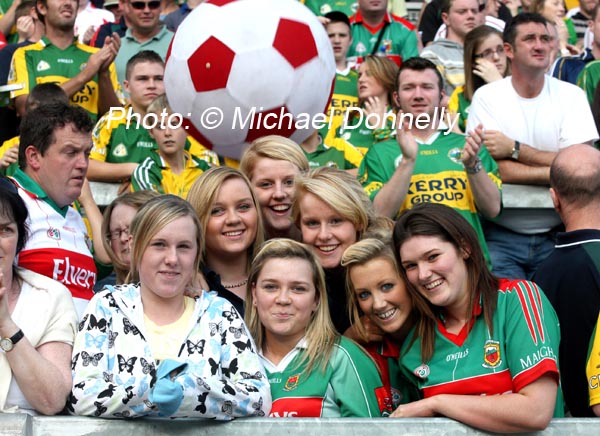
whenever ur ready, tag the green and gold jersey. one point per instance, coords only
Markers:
(458, 104)
(43, 62)
(119, 139)
(438, 176)
(154, 174)
(337, 154)
(322, 7)
(345, 95)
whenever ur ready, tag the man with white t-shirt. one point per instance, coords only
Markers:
(527, 118)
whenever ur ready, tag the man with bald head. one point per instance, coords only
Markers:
(570, 276)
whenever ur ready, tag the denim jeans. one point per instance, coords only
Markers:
(516, 255)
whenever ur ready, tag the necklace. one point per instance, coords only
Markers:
(237, 285)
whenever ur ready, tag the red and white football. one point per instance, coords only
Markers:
(242, 69)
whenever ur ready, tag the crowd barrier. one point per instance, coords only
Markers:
(513, 196)
(25, 425)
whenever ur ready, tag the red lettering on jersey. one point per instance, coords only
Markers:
(74, 270)
(297, 407)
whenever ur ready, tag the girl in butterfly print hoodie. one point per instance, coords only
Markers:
(114, 371)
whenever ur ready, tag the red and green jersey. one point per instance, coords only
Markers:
(117, 141)
(386, 355)
(593, 366)
(43, 62)
(155, 174)
(458, 104)
(322, 7)
(349, 387)
(522, 348)
(397, 41)
(438, 176)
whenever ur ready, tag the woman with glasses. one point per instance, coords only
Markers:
(115, 228)
(37, 323)
(485, 62)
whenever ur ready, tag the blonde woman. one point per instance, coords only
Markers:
(381, 309)
(313, 371)
(333, 211)
(232, 227)
(271, 163)
(146, 349)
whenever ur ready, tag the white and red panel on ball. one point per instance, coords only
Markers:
(241, 69)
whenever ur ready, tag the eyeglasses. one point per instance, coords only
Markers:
(116, 234)
(154, 4)
(490, 52)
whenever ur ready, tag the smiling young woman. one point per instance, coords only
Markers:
(232, 225)
(484, 350)
(312, 370)
(147, 349)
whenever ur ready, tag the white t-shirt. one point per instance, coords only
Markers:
(558, 117)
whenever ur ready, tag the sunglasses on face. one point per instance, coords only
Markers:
(154, 4)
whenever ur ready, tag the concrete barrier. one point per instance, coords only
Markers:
(513, 196)
(25, 425)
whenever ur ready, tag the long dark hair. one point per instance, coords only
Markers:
(431, 219)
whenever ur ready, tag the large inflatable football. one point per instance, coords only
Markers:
(242, 69)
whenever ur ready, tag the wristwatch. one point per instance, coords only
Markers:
(7, 344)
(516, 151)
(478, 166)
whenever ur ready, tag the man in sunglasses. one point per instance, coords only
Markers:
(145, 32)
(86, 74)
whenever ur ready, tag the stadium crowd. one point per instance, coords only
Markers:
(369, 271)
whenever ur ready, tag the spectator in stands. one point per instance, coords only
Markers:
(86, 74)
(431, 20)
(582, 17)
(427, 162)
(118, 216)
(460, 17)
(570, 276)
(195, 357)
(232, 227)
(37, 323)
(29, 29)
(41, 94)
(271, 163)
(381, 309)
(333, 211)
(171, 169)
(323, 7)
(89, 19)
(527, 118)
(120, 140)
(485, 62)
(346, 78)
(554, 12)
(119, 26)
(512, 384)
(337, 153)
(376, 32)
(145, 32)
(175, 18)
(51, 174)
(592, 373)
(313, 371)
(362, 128)
(567, 68)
